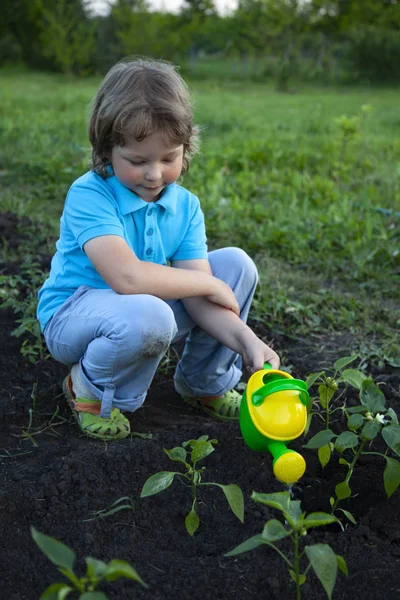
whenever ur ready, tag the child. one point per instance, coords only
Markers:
(131, 273)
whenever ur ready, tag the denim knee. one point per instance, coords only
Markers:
(240, 264)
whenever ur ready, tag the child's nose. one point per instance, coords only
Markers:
(153, 173)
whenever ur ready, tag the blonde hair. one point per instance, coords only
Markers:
(136, 98)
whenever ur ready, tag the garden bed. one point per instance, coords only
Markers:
(56, 479)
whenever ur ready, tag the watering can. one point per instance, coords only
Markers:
(272, 413)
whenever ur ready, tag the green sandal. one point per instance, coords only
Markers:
(87, 414)
(225, 408)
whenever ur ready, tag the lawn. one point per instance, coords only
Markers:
(308, 183)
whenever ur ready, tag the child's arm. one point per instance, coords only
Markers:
(126, 274)
(225, 326)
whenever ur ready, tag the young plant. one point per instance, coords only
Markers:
(64, 557)
(199, 449)
(328, 385)
(320, 557)
(364, 422)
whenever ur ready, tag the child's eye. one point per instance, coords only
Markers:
(169, 160)
(137, 163)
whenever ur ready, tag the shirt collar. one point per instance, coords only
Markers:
(129, 202)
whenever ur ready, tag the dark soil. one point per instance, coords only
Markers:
(58, 483)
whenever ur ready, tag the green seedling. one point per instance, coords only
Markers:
(320, 557)
(364, 422)
(199, 449)
(124, 503)
(97, 571)
(329, 386)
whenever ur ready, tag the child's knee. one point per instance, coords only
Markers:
(238, 263)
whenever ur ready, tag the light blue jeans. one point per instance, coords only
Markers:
(119, 340)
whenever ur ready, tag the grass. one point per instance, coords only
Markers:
(308, 183)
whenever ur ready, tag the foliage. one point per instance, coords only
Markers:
(321, 557)
(364, 424)
(97, 571)
(199, 449)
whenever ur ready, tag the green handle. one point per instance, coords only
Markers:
(267, 366)
(297, 385)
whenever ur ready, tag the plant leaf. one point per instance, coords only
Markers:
(201, 450)
(324, 455)
(121, 568)
(391, 476)
(302, 577)
(234, 495)
(355, 422)
(312, 378)
(353, 377)
(391, 435)
(370, 430)
(372, 397)
(342, 490)
(392, 416)
(318, 519)
(341, 563)
(347, 439)
(249, 544)
(323, 561)
(178, 454)
(95, 568)
(93, 596)
(192, 520)
(348, 515)
(356, 409)
(274, 530)
(344, 361)
(325, 394)
(157, 483)
(56, 591)
(320, 439)
(59, 554)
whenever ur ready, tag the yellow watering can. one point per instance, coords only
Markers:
(273, 412)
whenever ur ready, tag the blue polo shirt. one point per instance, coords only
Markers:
(172, 228)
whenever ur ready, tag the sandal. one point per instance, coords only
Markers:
(87, 413)
(225, 408)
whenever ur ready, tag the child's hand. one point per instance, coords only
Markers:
(256, 353)
(224, 296)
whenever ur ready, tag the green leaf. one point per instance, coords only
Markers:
(95, 568)
(347, 439)
(234, 495)
(318, 519)
(325, 394)
(59, 554)
(372, 397)
(312, 378)
(249, 544)
(56, 591)
(157, 483)
(356, 409)
(281, 501)
(93, 596)
(320, 439)
(121, 568)
(391, 476)
(201, 450)
(302, 577)
(353, 377)
(392, 416)
(341, 563)
(343, 461)
(324, 455)
(192, 520)
(348, 515)
(391, 435)
(323, 561)
(178, 454)
(370, 430)
(355, 422)
(274, 530)
(342, 490)
(344, 361)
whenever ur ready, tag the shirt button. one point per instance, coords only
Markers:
(149, 251)
(150, 212)
(149, 231)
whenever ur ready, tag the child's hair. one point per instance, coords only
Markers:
(139, 97)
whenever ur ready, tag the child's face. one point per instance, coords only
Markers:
(147, 167)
